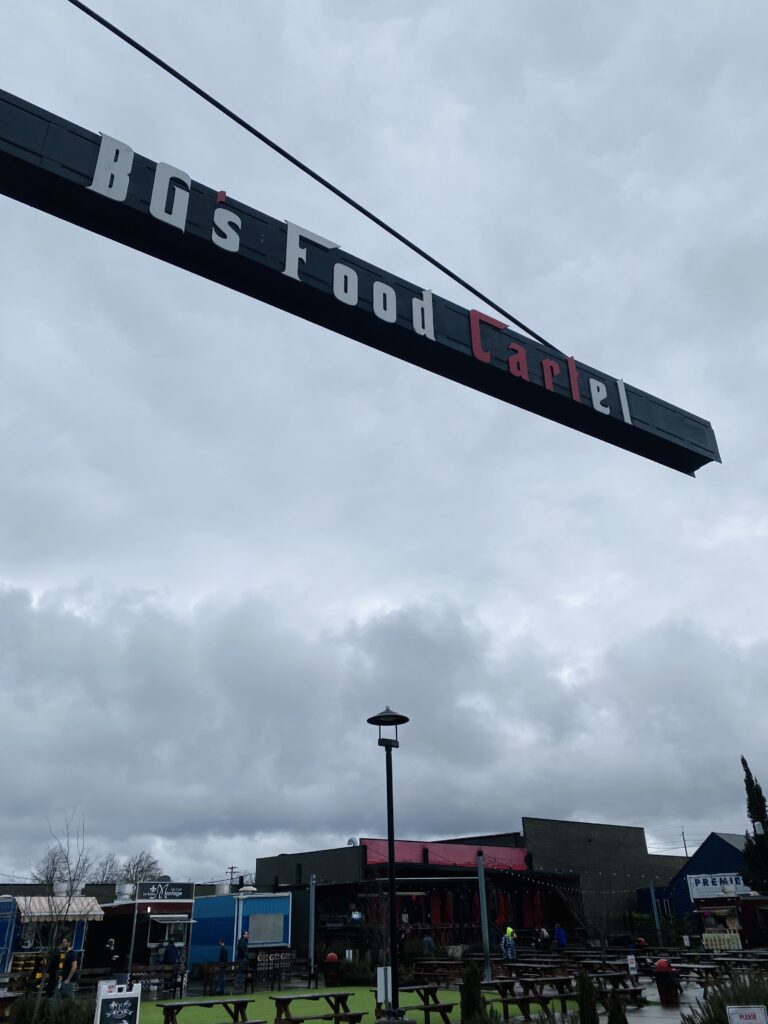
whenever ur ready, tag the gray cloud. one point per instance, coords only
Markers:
(227, 537)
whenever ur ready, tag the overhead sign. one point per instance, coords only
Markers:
(98, 182)
(155, 891)
(730, 884)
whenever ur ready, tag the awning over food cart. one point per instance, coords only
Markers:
(59, 908)
(173, 919)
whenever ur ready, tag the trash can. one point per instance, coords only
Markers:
(331, 970)
(667, 984)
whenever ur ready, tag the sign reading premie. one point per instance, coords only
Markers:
(726, 884)
(100, 183)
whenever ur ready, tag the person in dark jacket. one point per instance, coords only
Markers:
(222, 973)
(171, 954)
(242, 959)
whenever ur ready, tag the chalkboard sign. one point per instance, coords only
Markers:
(117, 1004)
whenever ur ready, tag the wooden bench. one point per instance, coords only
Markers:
(632, 993)
(89, 978)
(442, 1009)
(523, 1003)
(303, 1017)
(232, 970)
(170, 975)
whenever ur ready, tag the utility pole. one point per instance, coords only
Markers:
(232, 869)
(685, 846)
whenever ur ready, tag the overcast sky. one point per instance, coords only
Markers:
(227, 536)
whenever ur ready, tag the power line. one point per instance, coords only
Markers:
(306, 169)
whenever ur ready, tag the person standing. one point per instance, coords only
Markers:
(242, 959)
(222, 973)
(508, 947)
(68, 983)
(561, 939)
(171, 953)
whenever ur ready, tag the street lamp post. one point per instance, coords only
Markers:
(388, 719)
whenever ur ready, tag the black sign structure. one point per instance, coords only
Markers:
(121, 1007)
(154, 891)
(99, 183)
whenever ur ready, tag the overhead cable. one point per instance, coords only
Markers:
(303, 167)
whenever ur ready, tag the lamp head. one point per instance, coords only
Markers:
(388, 719)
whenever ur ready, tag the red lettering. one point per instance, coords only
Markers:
(550, 369)
(518, 361)
(475, 319)
(573, 377)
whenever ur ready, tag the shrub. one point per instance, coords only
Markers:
(616, 1012)
(747, 990)
(472, 1002)
(31, 1009)
(586, 998)
(356, 972)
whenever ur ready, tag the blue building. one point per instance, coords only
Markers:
(715, 869)
(265, 916)
(31, 925)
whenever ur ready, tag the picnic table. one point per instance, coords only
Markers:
(235, 1007)
(338, 1002)
(564, 985)
(617, 981)
(507, 996)
(430, 1002)
(704, 974)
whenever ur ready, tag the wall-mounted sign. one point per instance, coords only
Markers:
(726, 884)
(155, 891)
(99, 183)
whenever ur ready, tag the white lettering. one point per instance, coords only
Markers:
(226, 229)
(295, 253)
(623, 401)
(113, 169)
(163, 190)
(599, 393)
(423, 316)
(345, 284)
(384, 302)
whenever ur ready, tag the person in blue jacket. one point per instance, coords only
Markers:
(508, 943)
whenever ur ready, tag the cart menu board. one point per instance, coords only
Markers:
(117, 1004)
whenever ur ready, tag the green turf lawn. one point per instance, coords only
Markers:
(263, 1008)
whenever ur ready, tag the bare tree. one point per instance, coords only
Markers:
(142, 867)
(107, 871)
(62, 869)
(65, 865)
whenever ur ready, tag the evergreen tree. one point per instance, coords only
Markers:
(587, 999)
(616, 1012)
(756, 810)
(472, 1002)
(755, 846)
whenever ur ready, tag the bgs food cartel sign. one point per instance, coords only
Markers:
(98, 182)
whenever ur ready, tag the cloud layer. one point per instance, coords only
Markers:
(227, 537)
